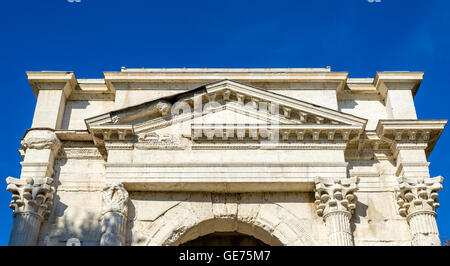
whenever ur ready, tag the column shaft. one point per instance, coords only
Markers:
(424, 229)
(335, 201)
(25, 230)
(417, 200)
(31, 202)
(338, 226)
(114, 226)
(114, 215)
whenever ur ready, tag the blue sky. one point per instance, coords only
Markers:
(98, 35)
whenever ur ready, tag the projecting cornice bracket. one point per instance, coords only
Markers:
(411, 134)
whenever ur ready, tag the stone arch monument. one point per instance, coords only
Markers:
(293, 156)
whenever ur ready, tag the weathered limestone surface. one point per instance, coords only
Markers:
(114, 215)
(31, 201)
(417, 200)
(195, 214)
(287, 156)
(335, 203)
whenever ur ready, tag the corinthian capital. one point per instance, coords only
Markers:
(418, 195)
(115, 199)
(335, 195)
(31, 196)
(41, 139)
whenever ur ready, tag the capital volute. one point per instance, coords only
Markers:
(32, 196)
(37, 138)
(418, 195)
(335, 195)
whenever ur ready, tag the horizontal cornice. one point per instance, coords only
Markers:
(410, 81)
(379, 84)
(243, 76)
(52, 80)
(412, 132)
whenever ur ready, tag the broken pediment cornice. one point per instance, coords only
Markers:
(227, 93)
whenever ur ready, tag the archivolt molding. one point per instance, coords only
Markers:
(188, 220)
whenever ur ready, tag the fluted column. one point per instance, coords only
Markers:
(417, 200)
(31, 201)
(335, 203)
(114, 215)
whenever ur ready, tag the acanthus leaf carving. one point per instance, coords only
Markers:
(418, 194)
(335, 201)
(417, 200)
(115, 199)
(32, 196)
(333, 195)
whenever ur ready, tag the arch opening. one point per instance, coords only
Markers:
(225, 239)
(227, 232)
(269, 223)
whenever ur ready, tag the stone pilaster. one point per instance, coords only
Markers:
(417, 200)
(52, 89)
(114, 215)
(31, 202)
(335, 202)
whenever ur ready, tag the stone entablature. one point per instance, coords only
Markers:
(289, 156)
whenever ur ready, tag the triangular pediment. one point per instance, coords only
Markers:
(225, 104)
